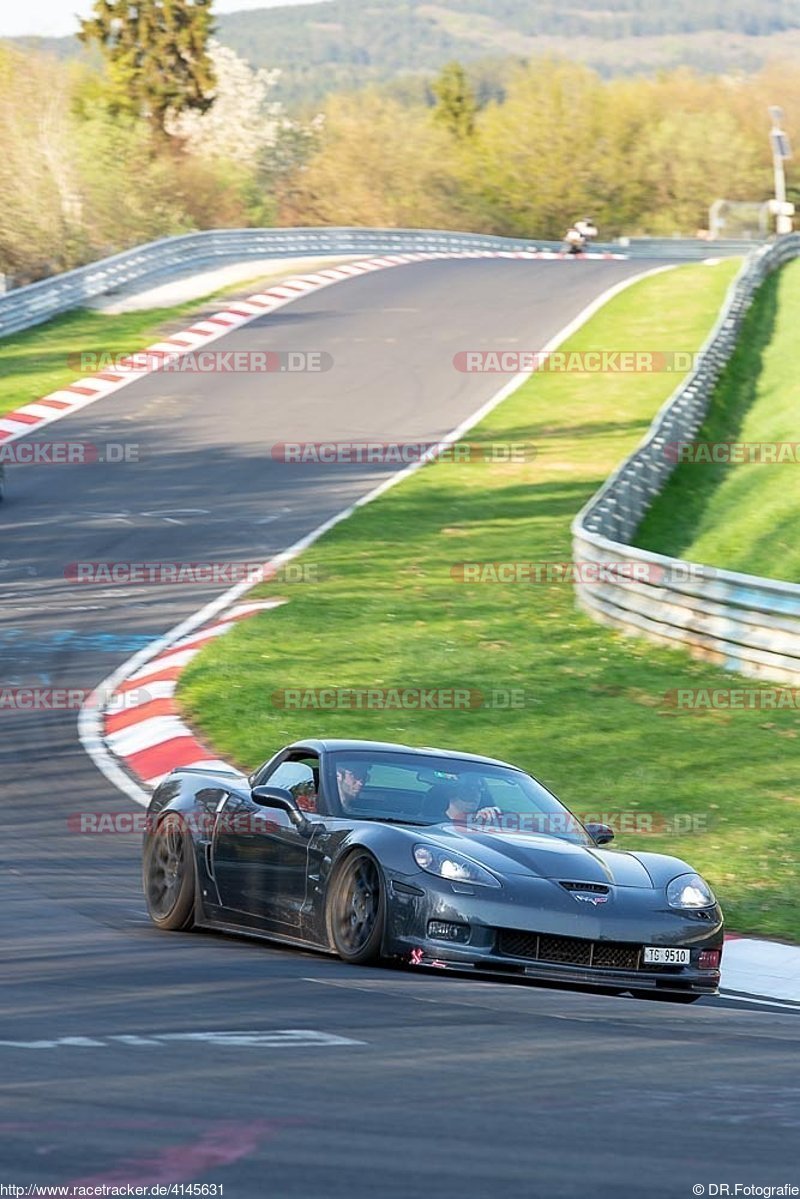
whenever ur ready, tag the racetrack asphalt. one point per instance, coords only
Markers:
(439, 1085)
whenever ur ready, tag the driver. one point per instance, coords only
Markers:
(350, 778)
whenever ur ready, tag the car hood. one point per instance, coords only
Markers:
(543, 857)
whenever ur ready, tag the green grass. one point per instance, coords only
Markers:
(744, 517)
(41, 360)
(595, 727)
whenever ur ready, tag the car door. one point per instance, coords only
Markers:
(260, 860)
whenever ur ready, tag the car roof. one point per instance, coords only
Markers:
(336, 744)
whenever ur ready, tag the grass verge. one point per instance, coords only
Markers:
(744, 516)
(595, 725)
(40, 360)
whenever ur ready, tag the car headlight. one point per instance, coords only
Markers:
(690, 891)
(452, 866)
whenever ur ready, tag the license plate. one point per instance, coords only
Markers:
(665, 956)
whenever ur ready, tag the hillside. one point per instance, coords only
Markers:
(347, 43)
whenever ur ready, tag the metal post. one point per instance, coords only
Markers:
(780, 152)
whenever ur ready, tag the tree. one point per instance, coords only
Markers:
(376, 163)
(242, 121)
(455, 101)
(157, 55)
(40, 209)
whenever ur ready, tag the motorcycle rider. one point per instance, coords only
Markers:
(587, 230)
(574, 241)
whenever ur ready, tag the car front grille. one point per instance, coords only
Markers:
(568, 951)
(587, 888)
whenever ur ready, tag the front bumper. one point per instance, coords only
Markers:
(529, 929)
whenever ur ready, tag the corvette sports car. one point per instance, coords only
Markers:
(378, 851)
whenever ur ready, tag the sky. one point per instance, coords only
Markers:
(57, 18)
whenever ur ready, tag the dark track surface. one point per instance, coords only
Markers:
(458, 1087)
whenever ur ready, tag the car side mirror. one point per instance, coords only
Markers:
(601, 834)
(284, 801)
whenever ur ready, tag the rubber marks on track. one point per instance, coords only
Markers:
(31, 417)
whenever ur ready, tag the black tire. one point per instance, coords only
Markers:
(356, 909)
(668, 996)
(168, 875)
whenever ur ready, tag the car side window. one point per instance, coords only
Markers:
(301, 778)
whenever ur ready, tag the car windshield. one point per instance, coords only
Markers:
(426, 790)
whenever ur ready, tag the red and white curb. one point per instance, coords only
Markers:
(142, 726)
(44, 411)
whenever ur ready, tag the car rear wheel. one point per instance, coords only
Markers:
(356, 910)
(168, 875)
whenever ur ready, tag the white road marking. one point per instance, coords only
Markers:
(778, 1004)
(173, 515)
(267, 520)
(130, 1039)
(277, 1038)
(283, 1037)
(82, 1042)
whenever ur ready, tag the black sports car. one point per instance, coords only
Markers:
(441, 859)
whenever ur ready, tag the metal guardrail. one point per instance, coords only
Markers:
(158, 260)
(741, 622)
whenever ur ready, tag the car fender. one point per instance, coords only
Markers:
(663, 868)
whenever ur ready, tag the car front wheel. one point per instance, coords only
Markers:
(168, 875)
(356, 909)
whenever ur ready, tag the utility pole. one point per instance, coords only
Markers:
(781, 151)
